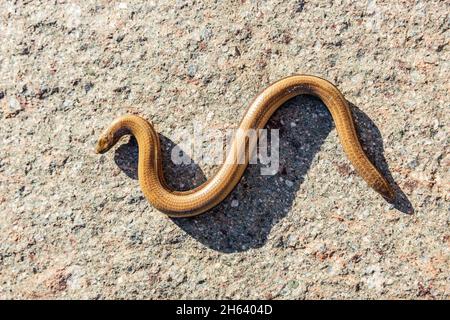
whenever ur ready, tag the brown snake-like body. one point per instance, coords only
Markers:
(217, 188)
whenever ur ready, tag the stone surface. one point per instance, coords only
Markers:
(74, 224)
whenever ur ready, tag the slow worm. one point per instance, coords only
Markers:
(217, 188)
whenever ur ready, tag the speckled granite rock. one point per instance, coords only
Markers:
(75, 225)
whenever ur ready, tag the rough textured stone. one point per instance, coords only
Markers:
(75, 224)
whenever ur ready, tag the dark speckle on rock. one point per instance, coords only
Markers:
(192, 70)
(88, 87)
(119, 37)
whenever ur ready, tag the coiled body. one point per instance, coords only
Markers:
(214, 190)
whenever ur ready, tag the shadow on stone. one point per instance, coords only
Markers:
(179, 177)
(263, 200)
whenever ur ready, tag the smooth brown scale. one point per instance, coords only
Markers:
(212, 192)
